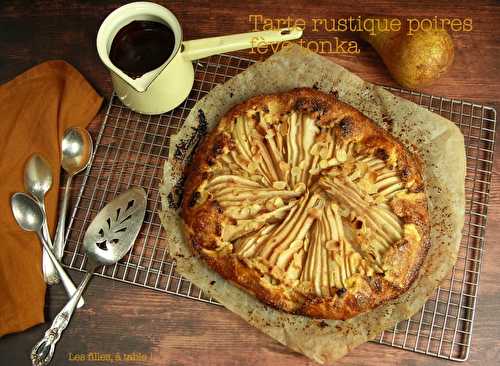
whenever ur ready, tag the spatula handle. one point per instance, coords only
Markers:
(42, 352)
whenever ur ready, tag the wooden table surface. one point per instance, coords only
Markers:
(168, 330)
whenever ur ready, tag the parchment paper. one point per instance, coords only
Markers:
(438, 141)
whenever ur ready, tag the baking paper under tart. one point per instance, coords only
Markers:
(438, 141)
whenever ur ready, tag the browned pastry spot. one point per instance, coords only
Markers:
(306, 203)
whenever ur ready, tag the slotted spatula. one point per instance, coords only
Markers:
(108, 238)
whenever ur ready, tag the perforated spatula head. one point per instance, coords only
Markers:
(115, 228)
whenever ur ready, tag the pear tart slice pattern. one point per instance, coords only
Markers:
(303, 201)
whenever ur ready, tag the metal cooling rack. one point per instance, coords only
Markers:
(130, 149)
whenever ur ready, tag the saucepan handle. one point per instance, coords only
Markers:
(200, 48)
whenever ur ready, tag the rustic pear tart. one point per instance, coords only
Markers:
(301, 200)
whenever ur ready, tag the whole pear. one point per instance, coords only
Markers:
(416, 60)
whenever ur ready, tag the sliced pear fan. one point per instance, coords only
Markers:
(304, 206)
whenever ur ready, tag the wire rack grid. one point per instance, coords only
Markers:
(130, 149)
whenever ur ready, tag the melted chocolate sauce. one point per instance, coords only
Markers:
(141, 46)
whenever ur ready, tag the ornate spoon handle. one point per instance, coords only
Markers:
(59, 242)
(49, 271)
(42, 352)
(69, 287)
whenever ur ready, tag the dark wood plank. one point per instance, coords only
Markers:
(168, 330)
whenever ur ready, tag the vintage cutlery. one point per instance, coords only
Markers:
(76, 150)
(108, 238)
(29, 216)
(37, 181)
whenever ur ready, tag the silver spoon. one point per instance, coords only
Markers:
(29, 216)
(108, 238)
(37, 181)
(76, 151)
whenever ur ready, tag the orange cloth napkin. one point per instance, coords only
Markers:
(35, 109)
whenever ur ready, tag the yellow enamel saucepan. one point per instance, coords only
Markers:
(164, 88)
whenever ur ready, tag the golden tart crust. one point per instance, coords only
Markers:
(303, 201)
